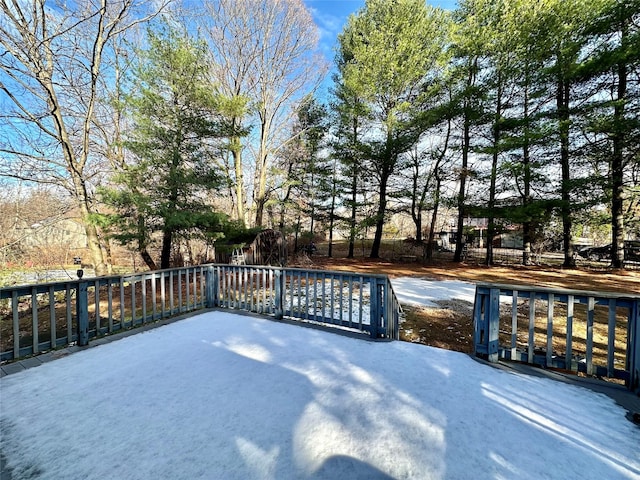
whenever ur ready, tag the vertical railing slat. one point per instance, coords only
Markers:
(96, 296)
(570, 365)
(611, 338)
(180, 305)
(532, 326)
(590, 318)
(549, 356)
(350, 301)
(340, 302)
(110, 305)
(143, 286)
(306, 293)
(360, 301)
(154, 307)
(331, 289)
(34, 320)
(68, 313)
(171, 293)
(122, 305)
(186, 286)
(52, 317)
(514, 326)
(16, 324)
(163, 295)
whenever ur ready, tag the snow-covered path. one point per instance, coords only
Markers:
(225, 396)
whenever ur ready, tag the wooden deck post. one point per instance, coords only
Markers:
(211, 286)
(279, 278)
(375, 314)
(494, 324)
(82, 313)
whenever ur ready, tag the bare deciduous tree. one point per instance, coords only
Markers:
(266, 53)
(51, 68)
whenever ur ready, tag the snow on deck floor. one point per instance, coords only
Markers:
(226, 396)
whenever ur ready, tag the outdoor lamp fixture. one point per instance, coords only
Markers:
(78, 261)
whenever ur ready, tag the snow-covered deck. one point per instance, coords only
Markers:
(222, 395)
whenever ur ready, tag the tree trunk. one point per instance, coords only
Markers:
(466, 142)
(562, 103)
(260, 183)
(148, 260)
(382, 208)
(434, 216)
(491, 227)
(617, 166)
(236, 151)
(354, 195)
(466, 146)
(165, 257)
(93, 239)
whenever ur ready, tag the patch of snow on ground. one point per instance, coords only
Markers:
(421, 292)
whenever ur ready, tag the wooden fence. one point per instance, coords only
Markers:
(37, 318)
(591, 332)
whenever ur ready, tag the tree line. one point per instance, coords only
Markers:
(166, 124)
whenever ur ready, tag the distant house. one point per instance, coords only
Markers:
(65, 232)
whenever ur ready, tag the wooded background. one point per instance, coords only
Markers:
(156, 125)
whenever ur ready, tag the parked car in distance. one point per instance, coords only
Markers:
(596, 253)
(631, 252)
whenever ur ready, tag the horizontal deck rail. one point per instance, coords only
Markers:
(41, 317)
(564, 336)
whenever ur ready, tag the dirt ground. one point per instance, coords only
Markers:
(451, 325)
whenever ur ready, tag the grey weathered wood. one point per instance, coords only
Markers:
(34, 320)
(493, 324)
(279, 293)
(186, 286)
(171, 293)
(16, 324)
(571, 365)
(122, 305)
(532, 326)
(611, 337)
(248, 285)
(110, 305)
(341, 297)
(52, 317)
(361, 306)
(514, 325)
(96, 296)
(143, 285)
(68, 313)
(203, 286)
(245, 287)
(180, 304)
(590, 318)
(306, 293)
(324, 294)
(550, 302)
(351, 302)
(633, 348)
(82, 313)
(154, 296)
(132, 284)
(163, 295)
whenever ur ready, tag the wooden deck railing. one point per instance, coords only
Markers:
(592, 332)
(37, 318)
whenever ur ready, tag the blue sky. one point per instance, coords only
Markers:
(330, 17)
